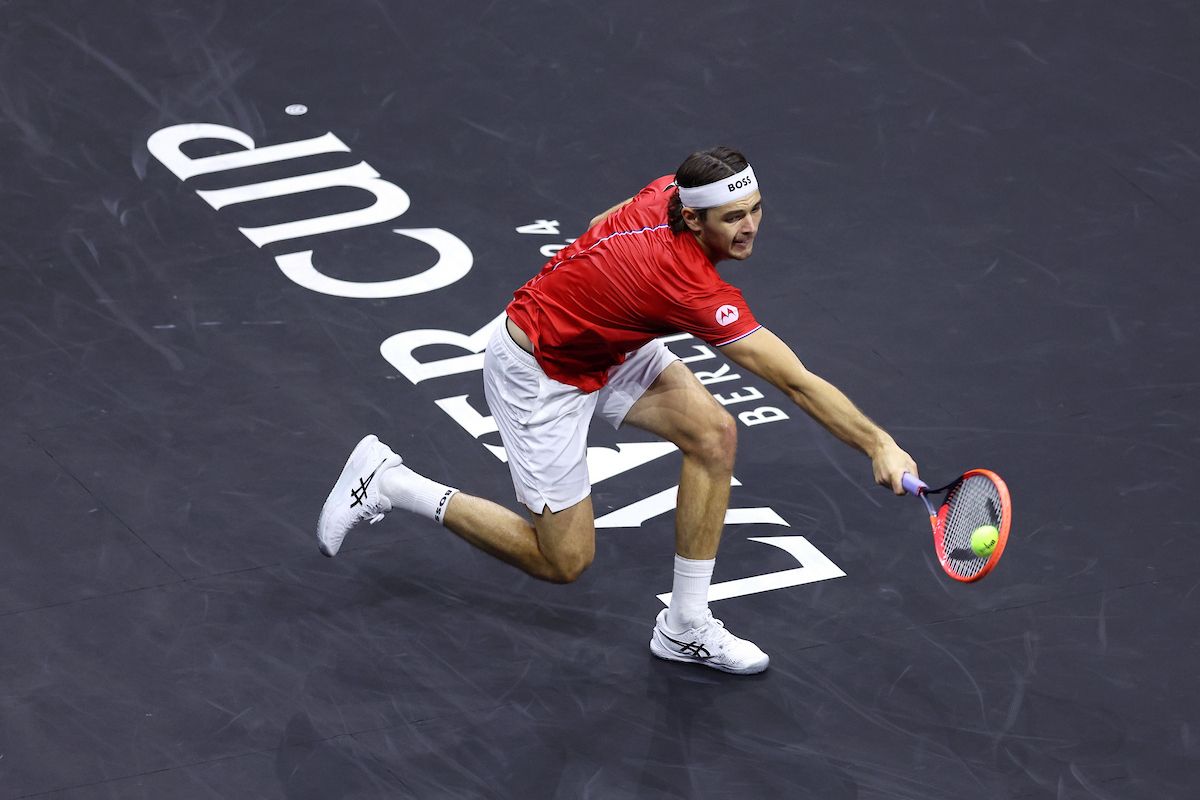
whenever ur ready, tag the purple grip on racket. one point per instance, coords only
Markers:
(912, 484)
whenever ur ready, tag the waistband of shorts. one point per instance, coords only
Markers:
(514, 349)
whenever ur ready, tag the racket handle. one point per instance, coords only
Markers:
(913, 484)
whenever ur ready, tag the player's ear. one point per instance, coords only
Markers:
(691, 219)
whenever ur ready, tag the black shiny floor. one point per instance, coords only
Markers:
(981, 222)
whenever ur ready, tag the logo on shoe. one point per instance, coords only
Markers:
(693, 649)
(360, 493)
(727, 315)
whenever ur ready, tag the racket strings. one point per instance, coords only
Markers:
(973, 502)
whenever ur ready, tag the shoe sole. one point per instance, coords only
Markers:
(667, 655)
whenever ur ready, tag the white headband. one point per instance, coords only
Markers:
(726, 190)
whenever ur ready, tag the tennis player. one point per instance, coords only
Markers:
(579, 340)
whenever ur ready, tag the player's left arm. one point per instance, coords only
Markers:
(769, 357)
(603, 215)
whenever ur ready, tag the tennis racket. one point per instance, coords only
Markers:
(977, 499)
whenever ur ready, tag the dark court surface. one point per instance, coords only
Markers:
(982, 222)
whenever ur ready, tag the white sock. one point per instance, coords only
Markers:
(689, 597)
(413, 492)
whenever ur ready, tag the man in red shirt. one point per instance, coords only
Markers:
(580, 340)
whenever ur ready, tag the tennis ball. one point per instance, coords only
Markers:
(983, 540)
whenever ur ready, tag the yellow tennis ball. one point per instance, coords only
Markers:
(983, 540)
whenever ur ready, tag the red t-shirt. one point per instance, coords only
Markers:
(627, 280)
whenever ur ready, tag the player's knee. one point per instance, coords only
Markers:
(567, 541)
(718, 442)
(568, 567)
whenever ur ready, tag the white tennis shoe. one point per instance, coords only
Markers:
(708, 644)
(355, 496)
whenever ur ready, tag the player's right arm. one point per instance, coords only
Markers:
(769, 357)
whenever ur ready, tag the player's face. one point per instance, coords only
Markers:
(728, 231)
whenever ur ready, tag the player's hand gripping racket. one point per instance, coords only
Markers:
(970, 528)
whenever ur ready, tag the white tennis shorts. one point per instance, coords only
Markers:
(544, 423)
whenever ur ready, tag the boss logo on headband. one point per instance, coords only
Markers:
(721, 191)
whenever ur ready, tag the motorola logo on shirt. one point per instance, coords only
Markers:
(727, 315)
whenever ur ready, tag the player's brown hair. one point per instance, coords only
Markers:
(701, 167)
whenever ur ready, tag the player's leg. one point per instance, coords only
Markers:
(544, 428)
(678, 408)
(557, 547)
